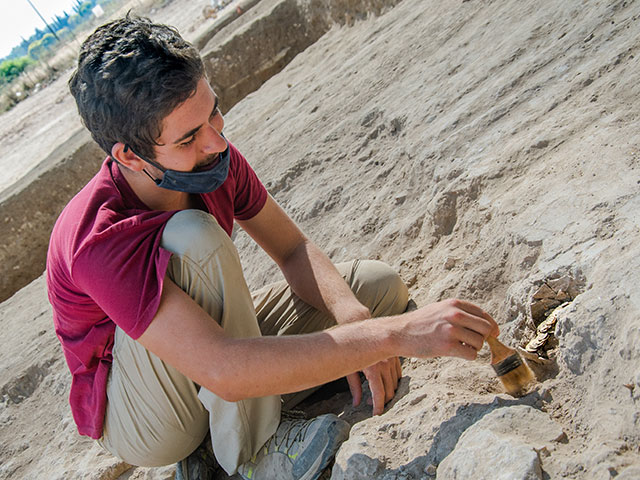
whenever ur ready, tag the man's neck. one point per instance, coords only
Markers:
(154, 197)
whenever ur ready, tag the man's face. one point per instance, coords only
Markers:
(190, 137)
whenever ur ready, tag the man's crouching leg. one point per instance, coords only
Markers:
(155, 415)
(376, 285)
(247, 436)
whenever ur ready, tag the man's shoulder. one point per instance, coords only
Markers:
(83, 210)
(99, 215)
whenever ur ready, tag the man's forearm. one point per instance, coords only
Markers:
(282, 364)
(272, 365)
(315, 280)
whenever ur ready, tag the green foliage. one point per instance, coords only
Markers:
(11, 69)
(48, 40)
(39, 47)
(36, 49)
(20, 50)
(64, 33)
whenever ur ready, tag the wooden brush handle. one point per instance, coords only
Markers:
(499, 351)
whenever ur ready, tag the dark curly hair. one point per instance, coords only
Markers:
(131, 74)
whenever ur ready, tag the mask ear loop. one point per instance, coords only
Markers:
(155, 180)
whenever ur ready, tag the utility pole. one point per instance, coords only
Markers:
(45, 22)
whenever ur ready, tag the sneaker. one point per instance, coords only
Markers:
(200, 465)
(299, 450)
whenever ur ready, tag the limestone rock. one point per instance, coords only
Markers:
(502, 445)
(483, 454)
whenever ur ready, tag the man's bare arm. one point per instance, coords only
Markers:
(185, 336)
(307, 269)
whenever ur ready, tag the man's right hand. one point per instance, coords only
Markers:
(453, 327)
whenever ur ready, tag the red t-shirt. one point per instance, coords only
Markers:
(105, 267)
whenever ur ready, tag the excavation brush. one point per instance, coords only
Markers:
(511, 369)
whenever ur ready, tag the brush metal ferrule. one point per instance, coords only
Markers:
(507, 365)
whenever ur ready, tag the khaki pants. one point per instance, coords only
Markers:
(155, 415)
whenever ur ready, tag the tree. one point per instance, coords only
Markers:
(19, 50)
(48, 40)
(36, 49)
(11, 69)
(64, 33)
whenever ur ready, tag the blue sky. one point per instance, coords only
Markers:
(17, 19)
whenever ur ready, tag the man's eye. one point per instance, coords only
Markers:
(188, 142)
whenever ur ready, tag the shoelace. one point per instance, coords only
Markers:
(287, 440)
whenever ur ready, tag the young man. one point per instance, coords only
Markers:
(163, 339)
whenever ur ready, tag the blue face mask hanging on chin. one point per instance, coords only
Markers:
(205, 181)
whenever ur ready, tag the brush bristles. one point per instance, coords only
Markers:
(514, 374)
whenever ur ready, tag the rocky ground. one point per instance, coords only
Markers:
(487, 150)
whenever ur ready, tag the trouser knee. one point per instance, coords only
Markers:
(380, 288)
(194, 233)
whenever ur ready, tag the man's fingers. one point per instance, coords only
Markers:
(355, 386)
(383, 380)
(377, 393)
(389, 380)
(471, 308)
(471, 338)
(472, 317)
(394, 373)
(479, 312)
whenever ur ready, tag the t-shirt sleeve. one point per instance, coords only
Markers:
(250, 193)
(123, 273)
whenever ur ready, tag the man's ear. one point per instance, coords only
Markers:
(125, 156)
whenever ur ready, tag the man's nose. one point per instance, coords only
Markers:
(214, 141)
